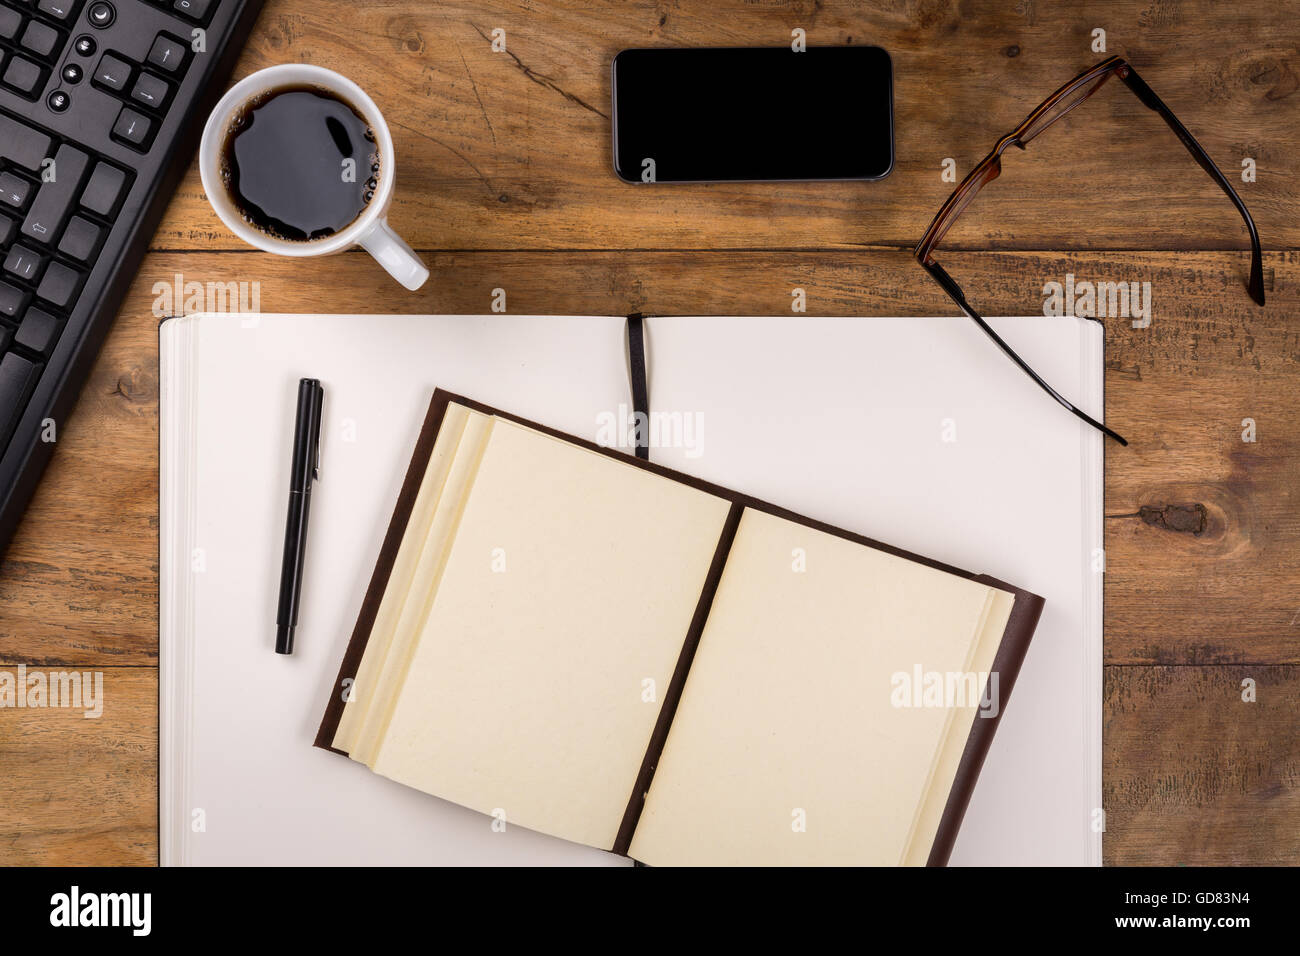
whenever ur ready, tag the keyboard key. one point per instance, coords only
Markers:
(22, 145)
(194, 9)
(12, 299)
(24, 263)
(101, 15)
(54, 199)
(39, 331)
(7, 229)
(56, 9)
(6, 336)
(17, 382)
(40, 38)
(150, 91)
(104, 189)
(167, 54)
(59, 286)
(10, 21)
(13, 190)
(112, 72)
(81, 239)
(23, 75)
(132, 127)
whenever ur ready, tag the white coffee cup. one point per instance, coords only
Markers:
(370, 230)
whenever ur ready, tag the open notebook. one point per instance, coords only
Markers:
(847, 421)
(610, 652)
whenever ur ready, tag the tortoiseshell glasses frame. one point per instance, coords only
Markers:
(1051, 110)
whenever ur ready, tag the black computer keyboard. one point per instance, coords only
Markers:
(101, 105)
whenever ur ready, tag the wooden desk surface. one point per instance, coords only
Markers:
(504, 180)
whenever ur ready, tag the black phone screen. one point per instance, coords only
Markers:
(734, 114)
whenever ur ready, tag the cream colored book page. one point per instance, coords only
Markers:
(983, 701)
(424, 584)
(787, 746)
(558, 621)
(399, 579)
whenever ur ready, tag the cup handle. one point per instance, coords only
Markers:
(391, 251)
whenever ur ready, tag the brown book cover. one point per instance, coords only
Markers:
(1006, 664)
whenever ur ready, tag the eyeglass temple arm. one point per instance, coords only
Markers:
(946, 281)
(1151, 101)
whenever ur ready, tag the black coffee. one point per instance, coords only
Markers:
(300, 163)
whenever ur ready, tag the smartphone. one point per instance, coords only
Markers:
(753, 114)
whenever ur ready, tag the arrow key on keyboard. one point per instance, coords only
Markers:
(132, 127)
(149, 90)
(167, 54)
(112, 72)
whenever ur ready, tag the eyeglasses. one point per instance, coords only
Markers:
(1061, 102)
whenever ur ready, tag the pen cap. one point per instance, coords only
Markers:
(306, 433)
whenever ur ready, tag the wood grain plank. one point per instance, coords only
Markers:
(78, 791)
(511, 150)
(79, 583)
(1195, 776)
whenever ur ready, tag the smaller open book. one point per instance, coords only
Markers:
(576, 641)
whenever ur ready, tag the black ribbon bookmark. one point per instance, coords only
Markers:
(637, 377)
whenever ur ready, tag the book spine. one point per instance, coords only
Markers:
(673, 696)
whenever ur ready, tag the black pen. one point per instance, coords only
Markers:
(303, 470)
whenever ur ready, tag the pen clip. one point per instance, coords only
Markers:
(320, 400)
